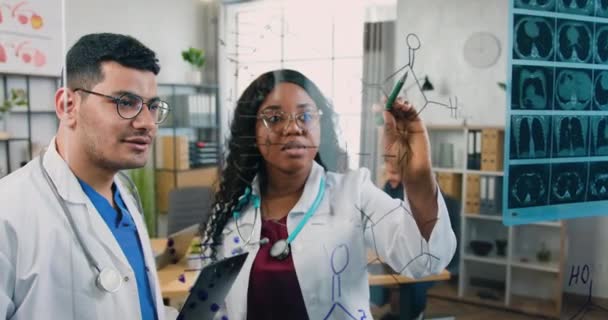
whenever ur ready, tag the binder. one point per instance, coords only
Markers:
(483, 194)
(208, 109)
(498, 195)
(491, 195)
(478, 150)
(213, 109)
(470, 150)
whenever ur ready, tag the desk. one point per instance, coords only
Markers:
(171, 287)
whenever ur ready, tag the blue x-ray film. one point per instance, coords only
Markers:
(578, 7)
(598, 141)
(532, 88)
(530, 136)
(543, 5)
(574, 41)
(573, 89)
(533, 38)
(600, 43)
(556, 146)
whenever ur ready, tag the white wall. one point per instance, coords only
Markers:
(443, 27)
(167, 27)
(586, 245)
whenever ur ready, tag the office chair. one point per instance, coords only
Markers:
(188, 206)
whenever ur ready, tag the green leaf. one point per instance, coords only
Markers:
(194, 56)
(143, 178)
(18, 97)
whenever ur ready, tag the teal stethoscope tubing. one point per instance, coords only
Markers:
(256, 204)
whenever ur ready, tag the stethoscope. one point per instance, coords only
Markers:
(108, 279)
(280, 249)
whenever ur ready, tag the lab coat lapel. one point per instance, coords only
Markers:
(237, 297)
(85, 215)
(144, 239)
(62, 176)
(311, 188)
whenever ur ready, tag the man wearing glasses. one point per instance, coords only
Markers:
(73, 244)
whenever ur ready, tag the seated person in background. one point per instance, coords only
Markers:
(393, 186)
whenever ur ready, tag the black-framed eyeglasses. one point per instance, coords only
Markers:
(129, 105)
(278, 120)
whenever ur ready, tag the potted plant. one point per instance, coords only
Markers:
(196, 58)
(543, 255)
(143, 178)
(17, 97)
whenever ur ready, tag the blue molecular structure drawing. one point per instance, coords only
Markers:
(339, 262)
(580, 275)
(372, 219)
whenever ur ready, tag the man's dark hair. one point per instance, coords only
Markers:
(84, 59)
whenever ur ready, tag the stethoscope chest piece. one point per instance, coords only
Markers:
(280, 250)
(109, 280)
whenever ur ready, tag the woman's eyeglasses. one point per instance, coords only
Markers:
(277, 120)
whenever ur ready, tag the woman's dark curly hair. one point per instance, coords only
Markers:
(244, 159)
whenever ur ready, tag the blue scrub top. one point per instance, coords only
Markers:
(124, 230)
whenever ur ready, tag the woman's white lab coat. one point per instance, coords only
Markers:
(44, 271)
(329, 254)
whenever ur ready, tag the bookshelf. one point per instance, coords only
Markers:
(188, 150)
(470, 169)
(29, 127)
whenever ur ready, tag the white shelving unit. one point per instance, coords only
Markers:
(30, 127)
(516, 280)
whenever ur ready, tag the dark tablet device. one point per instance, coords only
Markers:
(211, 288)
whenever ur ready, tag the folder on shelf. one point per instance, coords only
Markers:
(483, 193)
(472, 204)
(471, 150)
(497, 203)
(477, 157)
(172, 152)
(491, 195)
(212, 108)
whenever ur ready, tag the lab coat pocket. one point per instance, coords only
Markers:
(84, 305)
(319, 220)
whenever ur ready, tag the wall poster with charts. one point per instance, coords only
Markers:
(557, 115)
(30, 37)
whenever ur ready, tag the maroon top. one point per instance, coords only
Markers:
(274, 291)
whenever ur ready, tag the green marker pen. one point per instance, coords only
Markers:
(395, 92)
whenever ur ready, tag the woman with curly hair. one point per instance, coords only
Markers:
(307, 229)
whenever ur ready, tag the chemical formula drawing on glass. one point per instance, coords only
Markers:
(339, 263)
(409, 85)
(581, 276)
(372, 219)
